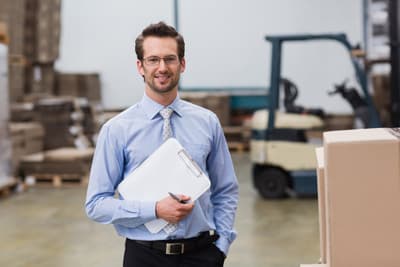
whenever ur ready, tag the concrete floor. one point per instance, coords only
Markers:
(47, 227)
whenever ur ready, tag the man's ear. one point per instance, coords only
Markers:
(183, 64)
(139, 66)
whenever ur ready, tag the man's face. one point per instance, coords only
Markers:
(163, 77)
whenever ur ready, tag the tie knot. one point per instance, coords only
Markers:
(166, 113)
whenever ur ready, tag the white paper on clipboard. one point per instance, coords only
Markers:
(168, 169)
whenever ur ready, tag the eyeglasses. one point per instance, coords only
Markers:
(154, 61)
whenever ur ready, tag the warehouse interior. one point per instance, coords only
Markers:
(307, 93)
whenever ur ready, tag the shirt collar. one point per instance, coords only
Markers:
(151, 108)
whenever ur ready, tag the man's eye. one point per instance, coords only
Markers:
(153, 60)
(170, 59)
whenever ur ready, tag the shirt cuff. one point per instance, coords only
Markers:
(223, 244)
(148, 210)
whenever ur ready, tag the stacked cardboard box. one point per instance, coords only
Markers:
(40, 79)
(219, 103)
(361, 173)
(43, 23)
(381, 97)
(79, 85)
(61, 161)
(197, 98)
(13, 13)
(63, 128)
(32, 135)
(17, 147)
(22, 112)
(34, 27)
(55, 116)
(16, 76)
(88, 122)
(26, 138)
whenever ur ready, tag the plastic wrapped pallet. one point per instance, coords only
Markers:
(4, 107)
(5, 155)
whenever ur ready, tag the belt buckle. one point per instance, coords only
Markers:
(174, 248)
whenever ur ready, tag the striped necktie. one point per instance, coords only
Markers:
(167, 133)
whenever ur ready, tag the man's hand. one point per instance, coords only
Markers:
(171, 210)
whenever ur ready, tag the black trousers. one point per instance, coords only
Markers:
(137, 255)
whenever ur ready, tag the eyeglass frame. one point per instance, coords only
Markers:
(145, 60)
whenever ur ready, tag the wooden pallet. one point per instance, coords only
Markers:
(7, 186)
(57, 180)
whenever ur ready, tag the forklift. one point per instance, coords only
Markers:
(282, 156)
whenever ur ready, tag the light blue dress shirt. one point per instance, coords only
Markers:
(126, 140)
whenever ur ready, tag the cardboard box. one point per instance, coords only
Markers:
(363, 197)
(321, 202)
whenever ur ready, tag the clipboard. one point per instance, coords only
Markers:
(168, 169)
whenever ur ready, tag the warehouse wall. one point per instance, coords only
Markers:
(225, 43)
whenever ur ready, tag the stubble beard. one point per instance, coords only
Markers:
(173, 84)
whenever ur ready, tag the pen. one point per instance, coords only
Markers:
(177, 198)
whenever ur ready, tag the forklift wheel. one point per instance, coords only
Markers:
(271, 183)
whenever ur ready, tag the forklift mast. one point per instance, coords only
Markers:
(277, 41)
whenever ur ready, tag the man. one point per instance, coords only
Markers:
(200, 232)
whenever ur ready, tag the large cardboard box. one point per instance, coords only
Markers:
(321, 202)
(363, 197)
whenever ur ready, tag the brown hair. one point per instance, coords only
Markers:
(160, 29)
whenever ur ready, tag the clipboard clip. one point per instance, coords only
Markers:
(190, 163)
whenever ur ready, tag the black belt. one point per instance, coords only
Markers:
(181, 246)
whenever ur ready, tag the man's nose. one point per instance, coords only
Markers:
(162, 65)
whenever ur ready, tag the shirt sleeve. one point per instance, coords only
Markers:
(224, 188)
(106, 173)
